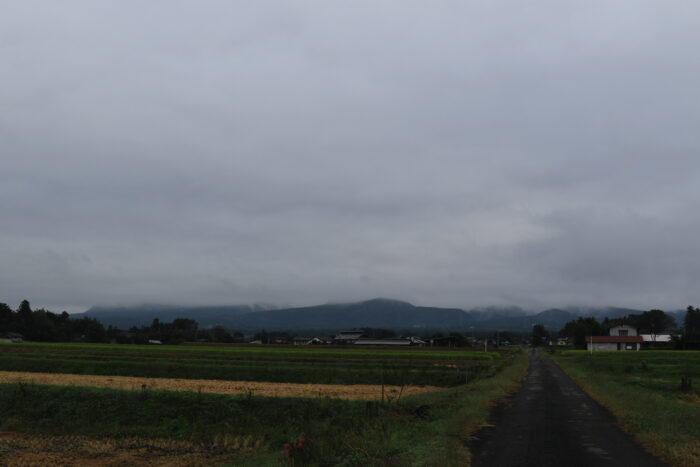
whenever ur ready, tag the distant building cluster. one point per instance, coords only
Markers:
(353, 338)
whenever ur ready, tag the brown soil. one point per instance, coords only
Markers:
(26, 450)
(359, 391)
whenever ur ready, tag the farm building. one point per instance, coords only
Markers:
(396, 341)
(665, 338)
(347, 337)
(310, 341)
(613, 342)
(622, 337)
(12, 337)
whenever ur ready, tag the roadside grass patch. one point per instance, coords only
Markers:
(647, 400)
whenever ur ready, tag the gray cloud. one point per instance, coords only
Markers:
(451, 153)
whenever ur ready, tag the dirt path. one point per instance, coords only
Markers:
(358, 391)
(551, 422)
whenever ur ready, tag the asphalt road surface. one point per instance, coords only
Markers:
(551, 422)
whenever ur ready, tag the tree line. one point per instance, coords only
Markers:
(41, 325)
(649, 322)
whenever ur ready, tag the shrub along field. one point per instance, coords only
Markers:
(325, 365)
(654, 395)
(424, 429)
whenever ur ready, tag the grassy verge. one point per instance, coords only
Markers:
(643, 390)
(428, 429)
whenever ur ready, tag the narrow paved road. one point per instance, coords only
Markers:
(551, 422)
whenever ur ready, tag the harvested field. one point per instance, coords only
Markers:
(350, 392)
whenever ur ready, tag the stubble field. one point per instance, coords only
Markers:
(260, 388)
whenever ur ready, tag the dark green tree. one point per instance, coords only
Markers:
(89, 330)
(578, 329)
(692, 321)
(540, 336)
(181, 330)
(220, 334)
(25, 316)
(653, 321)
(8, 319)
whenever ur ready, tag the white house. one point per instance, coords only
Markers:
(622, 337)
(623, 330)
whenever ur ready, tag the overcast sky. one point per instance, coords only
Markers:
(450, 153)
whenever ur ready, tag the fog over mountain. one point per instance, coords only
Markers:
(376, 313)
(454, 154)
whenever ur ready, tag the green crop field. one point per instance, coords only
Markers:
(654, 394)
(281, 364)
(243, 350)
(87, 424)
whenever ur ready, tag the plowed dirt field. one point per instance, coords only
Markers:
(359, 391)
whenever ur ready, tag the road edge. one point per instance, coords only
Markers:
(469, 433)
(644, 444)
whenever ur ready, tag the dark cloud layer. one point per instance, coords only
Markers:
(447, 153)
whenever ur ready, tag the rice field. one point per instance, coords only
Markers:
(308, 365)
(235, 405)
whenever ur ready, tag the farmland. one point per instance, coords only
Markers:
(421, 405)
(653, 394)
(261, 388)
(242, 363)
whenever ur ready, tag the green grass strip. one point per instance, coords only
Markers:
(262, 351)
(643, 390)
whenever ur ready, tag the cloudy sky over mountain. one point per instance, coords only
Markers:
(454, 153)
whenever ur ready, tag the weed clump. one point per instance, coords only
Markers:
(686, 383)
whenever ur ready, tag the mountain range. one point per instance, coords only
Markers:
(376, 313)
